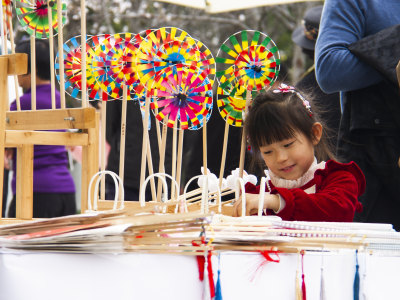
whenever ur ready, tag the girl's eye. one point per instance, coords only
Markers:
(267, 152)
(288, 144)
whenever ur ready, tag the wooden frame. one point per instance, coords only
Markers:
(20, 129)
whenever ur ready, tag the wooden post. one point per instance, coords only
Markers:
(3, 109)
(24, 188)
(14, 64)
(90, 161)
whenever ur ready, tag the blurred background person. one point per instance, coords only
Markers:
(305, 37)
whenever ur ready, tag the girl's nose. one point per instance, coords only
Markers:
(281, 156)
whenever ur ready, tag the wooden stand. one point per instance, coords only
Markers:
(19, 129)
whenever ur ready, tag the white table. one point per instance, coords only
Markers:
(49, 276)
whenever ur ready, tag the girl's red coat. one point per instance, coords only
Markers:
(337, 188)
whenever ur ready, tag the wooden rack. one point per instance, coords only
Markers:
(22, 129)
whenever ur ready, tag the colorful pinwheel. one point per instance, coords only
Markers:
(248, 58)
(33, 16)
(182, 94)
(162, 48)
(206, 61)
(118, 55)
(96, 71)
(231, 102)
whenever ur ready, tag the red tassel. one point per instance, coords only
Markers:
(201, 264)
(303, 283)
(210, 275)
(267, 256)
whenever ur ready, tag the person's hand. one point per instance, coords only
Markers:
(271, 201)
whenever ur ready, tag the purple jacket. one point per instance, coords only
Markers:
(50, 164)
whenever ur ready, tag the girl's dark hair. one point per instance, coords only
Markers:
(274, 117)
(42, 56)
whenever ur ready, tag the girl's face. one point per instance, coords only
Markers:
(291, 158)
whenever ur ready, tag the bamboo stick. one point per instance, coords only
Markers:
(51, 46)
(17, 99)
(83, 54)
(123, 137)
(103, 142)
(61, 52)
(161, 167)
(33, 72)
(223, 158)
(244, 139)
(174, 140)
(145, 140)
(179, 162)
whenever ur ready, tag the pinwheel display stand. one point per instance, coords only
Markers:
(24, 129)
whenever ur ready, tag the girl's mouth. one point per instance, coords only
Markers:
(287, 169)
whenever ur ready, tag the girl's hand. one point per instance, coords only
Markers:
(271, 201)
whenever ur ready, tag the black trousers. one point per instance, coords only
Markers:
(377, 155)
(49, 205)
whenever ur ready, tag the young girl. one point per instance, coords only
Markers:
(285, 131)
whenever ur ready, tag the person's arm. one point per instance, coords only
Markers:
(336, 201)
(337, 69)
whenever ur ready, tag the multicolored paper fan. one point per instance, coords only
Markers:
(209, 107)
(33, 16)
(206, 61)
(181, 94)
(163, 48)
(118, 55)
(248, 58)
(95, 70)
(231, 101)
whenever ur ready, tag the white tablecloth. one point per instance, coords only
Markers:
(50, 276)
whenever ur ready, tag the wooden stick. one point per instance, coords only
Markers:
(158, 133)
(3, 38)
(174, 138)
(103, 142)
(161, 167)
(123, 137)
(51, 46)
(205, 145)
(15, 76)
(83, 55)
(3, 108)
(223, 158)
(61, 52)
(244, 139)
(33, 72)
(151, 172)
(211, 195)
(179, 163)
(145, 140)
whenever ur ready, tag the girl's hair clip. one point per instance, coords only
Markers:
(284, 88)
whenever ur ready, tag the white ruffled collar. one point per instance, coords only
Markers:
(291, 184)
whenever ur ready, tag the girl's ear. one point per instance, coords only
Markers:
(317, 132)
